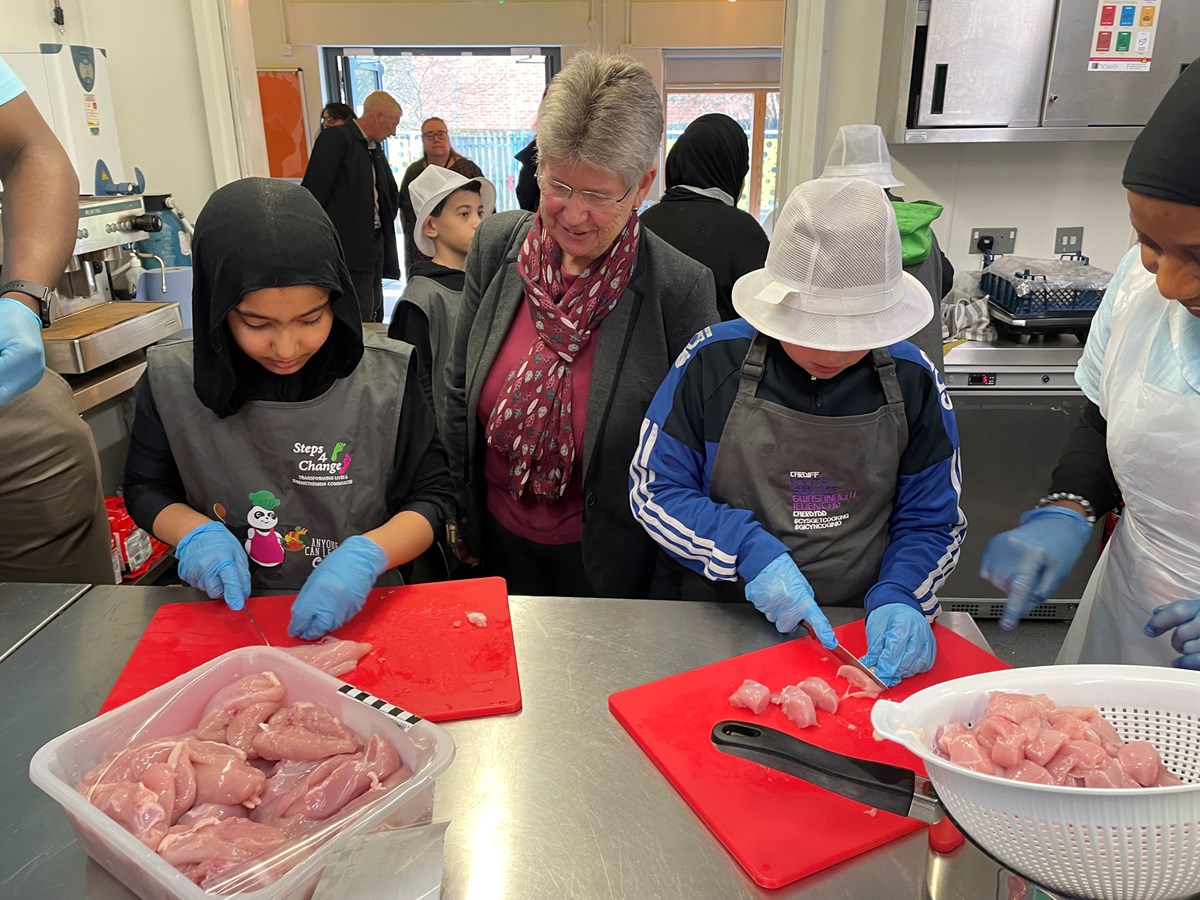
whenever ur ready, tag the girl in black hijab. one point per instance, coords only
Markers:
(698, 215)
(280, 436)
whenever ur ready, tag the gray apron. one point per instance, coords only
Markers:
(823, 485)
(440, 305)
(291, 480)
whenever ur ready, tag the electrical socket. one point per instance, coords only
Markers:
(286, 50)
(1068, 240)
(1005, 239)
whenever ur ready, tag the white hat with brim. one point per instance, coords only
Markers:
(433, 186)
(823, 323)
(834, 277)
(860, 151)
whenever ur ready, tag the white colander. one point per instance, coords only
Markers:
(1096, 843)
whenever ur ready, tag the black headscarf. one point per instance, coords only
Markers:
(257, 233)
(1162, 163)
(711, 152)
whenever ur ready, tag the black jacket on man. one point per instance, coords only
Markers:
(339, 176)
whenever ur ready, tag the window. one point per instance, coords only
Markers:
(757, 111)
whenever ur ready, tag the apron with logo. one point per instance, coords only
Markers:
(823, 485)
(1153, 556)
(290, 480)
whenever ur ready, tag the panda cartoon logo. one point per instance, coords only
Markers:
(263, 543)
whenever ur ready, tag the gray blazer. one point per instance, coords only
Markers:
(670, 297)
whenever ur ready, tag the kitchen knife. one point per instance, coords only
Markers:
(846, 657)
(254, 622)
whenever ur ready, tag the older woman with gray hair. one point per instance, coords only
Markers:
(570, 319)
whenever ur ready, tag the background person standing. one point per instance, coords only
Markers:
(438, 151)
(349, 175)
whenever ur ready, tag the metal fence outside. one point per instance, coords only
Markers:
(494, 151)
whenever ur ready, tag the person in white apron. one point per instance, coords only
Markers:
(1139, 440)
(279, 446)
(806, 455)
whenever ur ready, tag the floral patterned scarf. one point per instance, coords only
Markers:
(531, 422)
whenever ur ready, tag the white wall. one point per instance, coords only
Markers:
(1036, 187)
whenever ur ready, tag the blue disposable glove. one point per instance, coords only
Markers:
(337, 589)
(785, 597)
(900, 643)
(213, 560)
(22, 358)
(1184, 617)
(1031, 561)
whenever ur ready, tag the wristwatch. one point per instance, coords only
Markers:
(38, 292)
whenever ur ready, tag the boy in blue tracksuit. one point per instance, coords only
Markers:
(806, 455)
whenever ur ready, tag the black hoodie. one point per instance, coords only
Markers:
(711, 153)
(258, 233)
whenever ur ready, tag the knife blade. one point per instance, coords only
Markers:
(846, 657)
(254, 622)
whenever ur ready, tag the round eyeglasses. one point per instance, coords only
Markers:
(591, 199)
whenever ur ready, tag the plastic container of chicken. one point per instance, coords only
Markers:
(290, 870)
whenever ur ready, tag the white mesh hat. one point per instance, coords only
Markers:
(834, 278)
(860, 151)
(433, 186)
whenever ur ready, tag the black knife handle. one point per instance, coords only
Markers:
(890, 788)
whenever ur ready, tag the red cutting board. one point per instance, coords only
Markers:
(419, 660)
(779, 828)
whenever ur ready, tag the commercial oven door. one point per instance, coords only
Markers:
(1010, 441)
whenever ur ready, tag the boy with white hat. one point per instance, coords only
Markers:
(806, 454)
(449, 208)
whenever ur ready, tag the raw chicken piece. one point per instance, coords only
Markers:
(992, 727)
(823, 696)
(331, 655)
(304, 731)
(752, 696)
(798, 706)
(1141, 762)
(1030, 772)
(1015, 707)
(858, 679)
(235, 712)
(1109, 739)
(214, 845)
(223, 775)
(135, 808)
(1063, 764)
(1166, 778)
(945, 734)
(1009, 749)
(478, 619)
(965, 750)
(162, 766)
(303, 797)
(1108, 774)
(217, 811)
(1072, 726)
(1045, 746)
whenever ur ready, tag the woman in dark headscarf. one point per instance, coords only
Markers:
(281, 419)
(1139, 437)
(698, 214)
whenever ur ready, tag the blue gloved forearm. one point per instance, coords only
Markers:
(784, 596)
(1029, 562)
(1182, 618)
(336, 590)
(213, 560)
(900, 643)
(22, 357)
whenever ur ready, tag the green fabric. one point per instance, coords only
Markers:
(916, 237)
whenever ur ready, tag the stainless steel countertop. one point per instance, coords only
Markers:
(26, 608)
(554, 801)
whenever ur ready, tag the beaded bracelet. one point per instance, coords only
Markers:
(1089, 511)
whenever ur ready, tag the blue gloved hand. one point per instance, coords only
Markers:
(213, 560)
(900, 643)
(1184, 617)
(337, 589)
(22, 357)
(1031, 561)
(785, 597)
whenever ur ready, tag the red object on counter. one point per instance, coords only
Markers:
(944, 836)
(138, 550)
(780, 828)
(419, 660)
